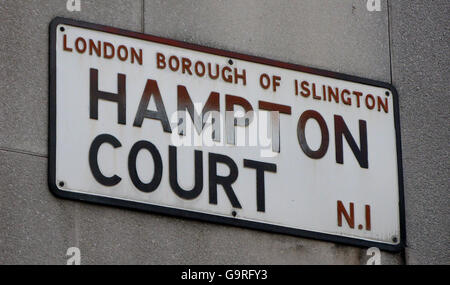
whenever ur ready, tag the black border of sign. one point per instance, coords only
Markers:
(201, 216)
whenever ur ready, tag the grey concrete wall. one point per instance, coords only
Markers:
(420, 71)
(341, 36)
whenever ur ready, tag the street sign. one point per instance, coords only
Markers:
(155, 124)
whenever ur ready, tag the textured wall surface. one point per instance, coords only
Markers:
(420, 72)
(342, 36)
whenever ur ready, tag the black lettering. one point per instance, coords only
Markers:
(198, 187)
(225, 181)
(93, 162)
(341, 129)
(157, 162)
(119, 98)
(212, 104)
(302, 138)
(260, 167)
(151, 89)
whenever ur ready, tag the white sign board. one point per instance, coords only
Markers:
(165, 126)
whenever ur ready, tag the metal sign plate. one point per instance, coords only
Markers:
(155, 124)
